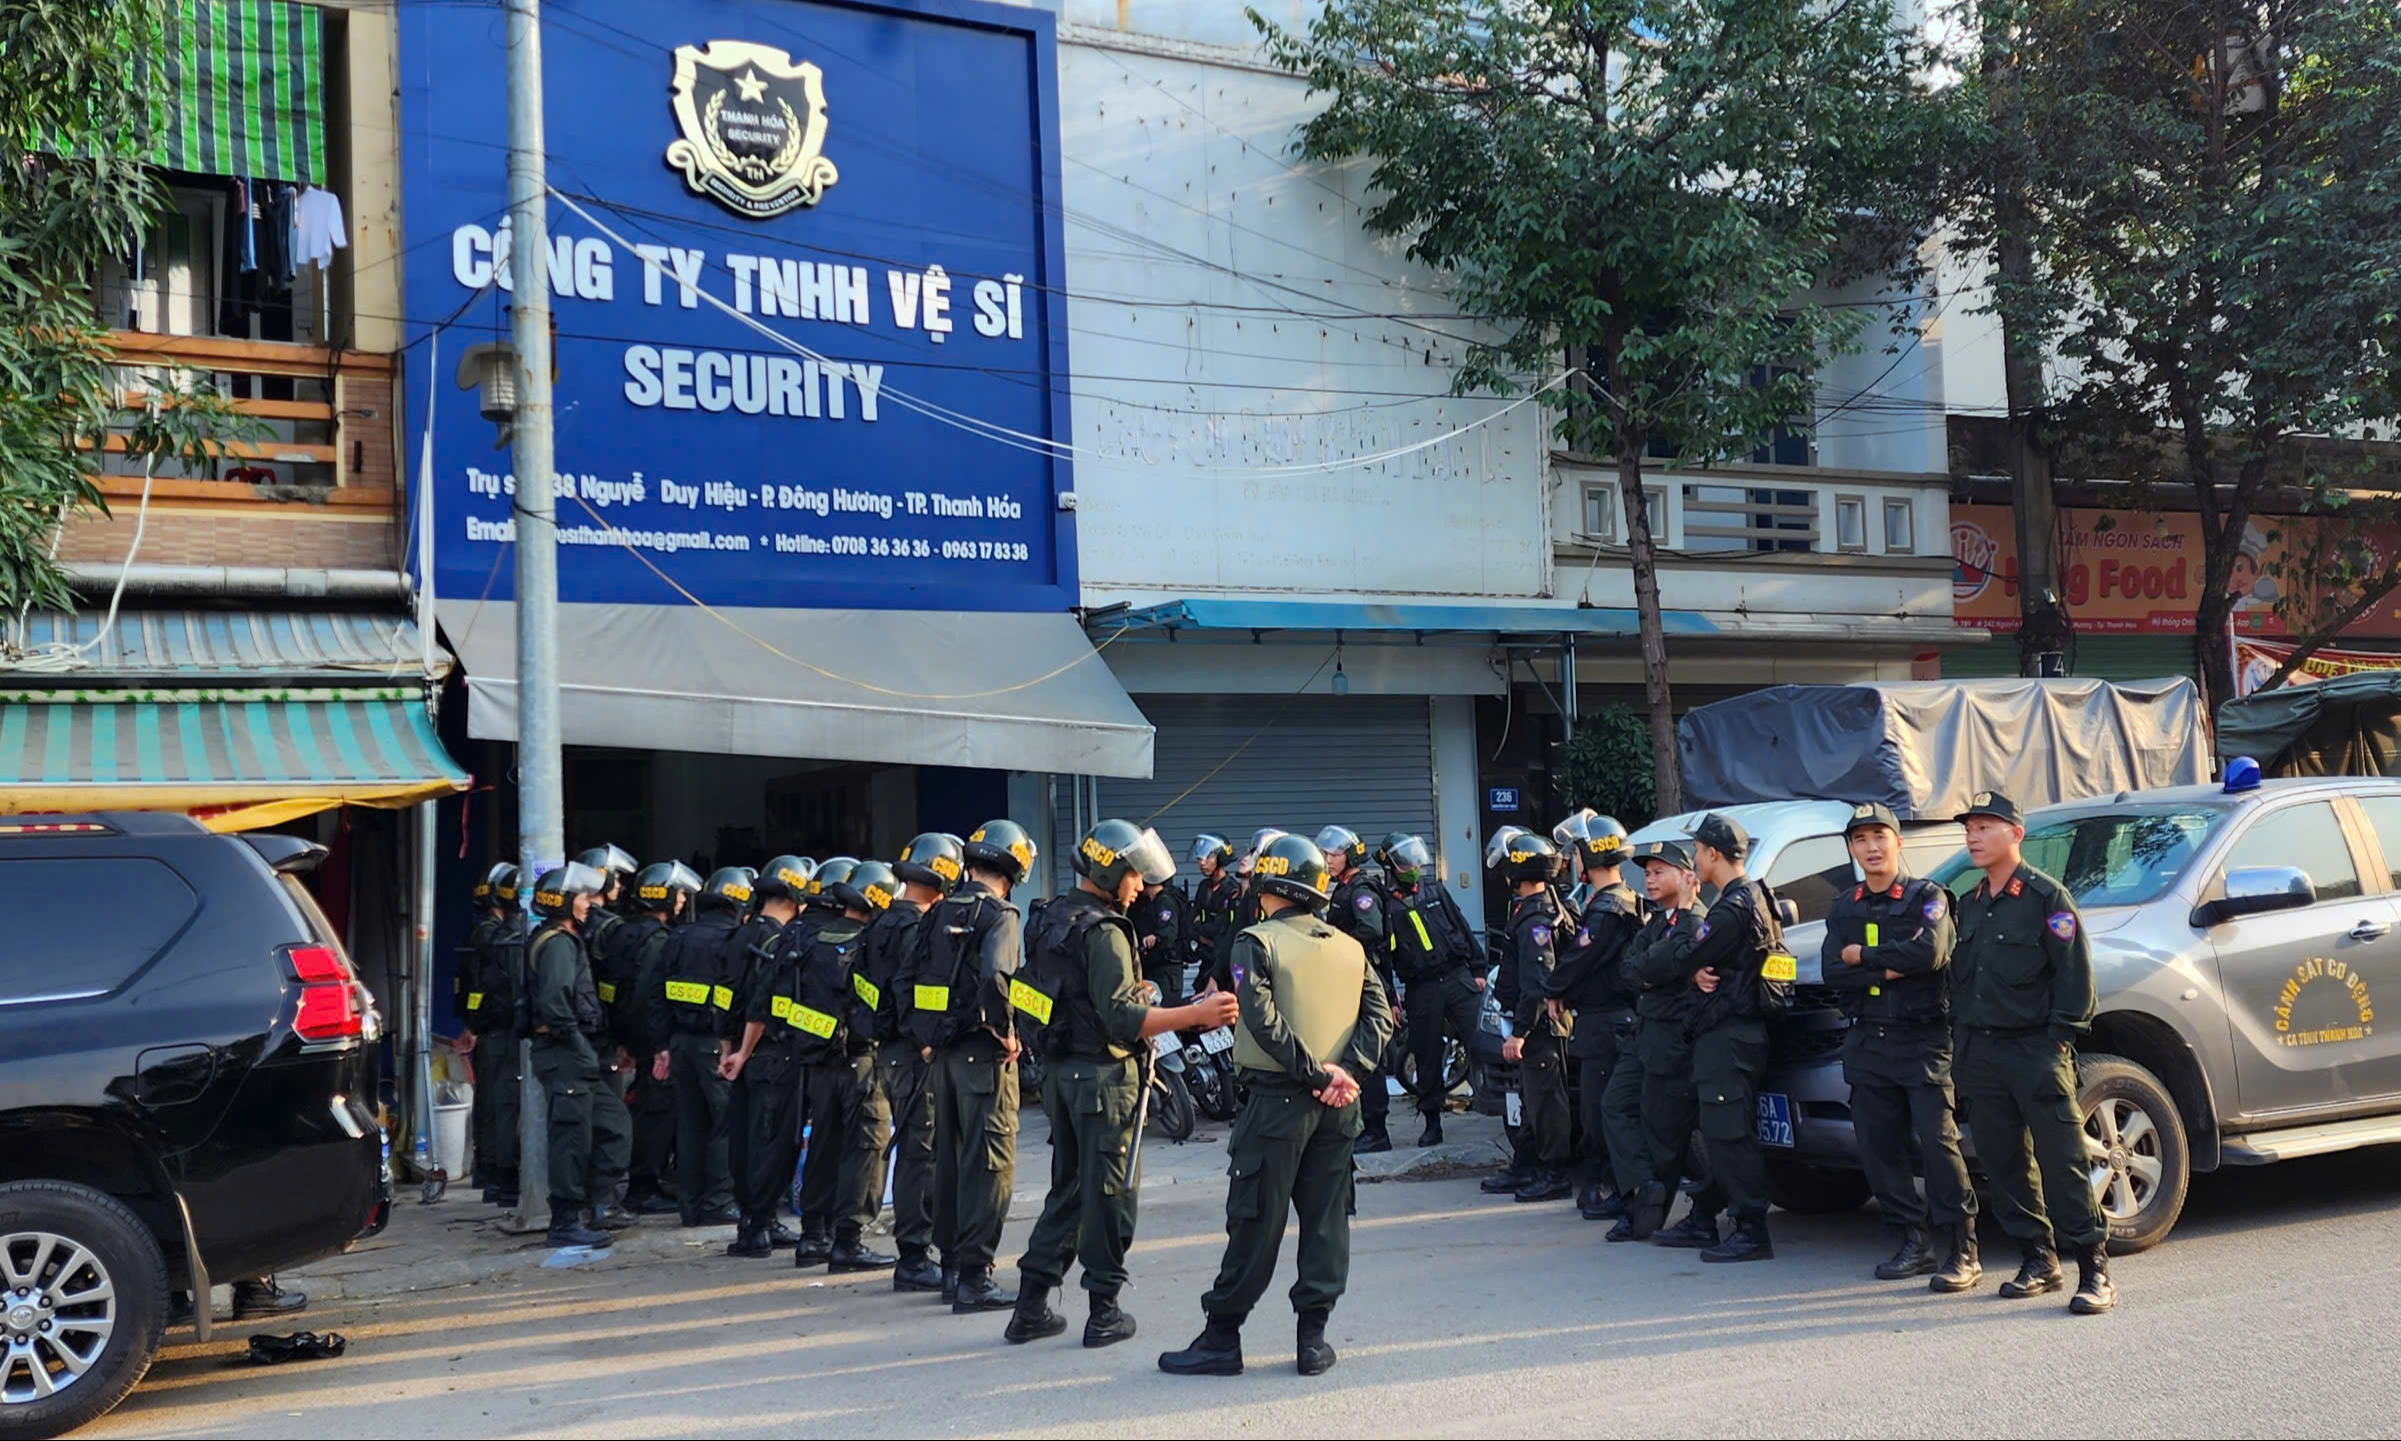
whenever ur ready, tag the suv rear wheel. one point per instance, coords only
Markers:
(83, 1304)
(2135, 1140)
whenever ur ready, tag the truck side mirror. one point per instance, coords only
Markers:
(2256, 890)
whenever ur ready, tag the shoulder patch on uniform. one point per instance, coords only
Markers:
(1166, 913)
(1365, 900)
(1540, 935)
(1933, 908)
(1704, 932)
(1583, 939)
(2063, 924)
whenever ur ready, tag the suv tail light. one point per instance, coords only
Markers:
(329, 1008)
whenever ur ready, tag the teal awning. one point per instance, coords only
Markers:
(246, 90)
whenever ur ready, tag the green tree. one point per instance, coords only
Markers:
(2211, 193)
(1609, 766)
(1660, 191)
(79, 118)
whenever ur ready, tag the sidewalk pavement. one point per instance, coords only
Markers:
(460, 1242)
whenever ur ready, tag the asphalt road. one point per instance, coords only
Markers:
(2270, 1312)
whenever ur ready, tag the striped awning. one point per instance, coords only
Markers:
(238, 758)
(250, 647)
(246, 86)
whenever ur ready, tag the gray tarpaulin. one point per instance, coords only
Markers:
(2346, 726)
(1925, 747)
(993, 690)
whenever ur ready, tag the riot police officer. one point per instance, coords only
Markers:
(1737, 962)
(632, 949)
(1213, 901)
(688, 982)
(842, 1101)
(589, 1130)
(1590, 986)
(969, 948)
(1649, 1105)
(1530, 864)
(1361, 910)
(1314, 1022)
(765, 1132)
(491, 966)
(1440, 964)
(1160, 924)
(2024, 996)
(1888, 953)
(929, 865)
(1080, 1000)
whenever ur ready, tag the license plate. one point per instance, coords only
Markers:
(1221, 1039)
(1775, 1120)
(1167, 1043)
(1515, 1105)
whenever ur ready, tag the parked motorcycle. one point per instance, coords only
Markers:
(1170, 1095)
(1209, 1072)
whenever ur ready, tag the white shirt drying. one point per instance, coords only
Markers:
(317, 228)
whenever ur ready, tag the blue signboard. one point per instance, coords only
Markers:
(1501, 798)
(812, 341)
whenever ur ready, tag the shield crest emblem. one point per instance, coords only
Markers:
(753, 127)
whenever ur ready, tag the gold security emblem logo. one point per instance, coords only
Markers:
(1861, 813)
(1983, 798)
(753, 124)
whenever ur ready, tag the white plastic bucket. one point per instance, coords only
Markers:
(450, 1135)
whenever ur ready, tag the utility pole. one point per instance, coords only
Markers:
(541, 802)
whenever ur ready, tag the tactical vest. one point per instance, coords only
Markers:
(876, 981)
(816, 991)
(1359, 909)
(1052, 993)
(499, 978)
(591, 1017)
(699, 975)
(1600, 987)
(1318, 975)
(1871, 918)
(1426, 941)
(948, 998)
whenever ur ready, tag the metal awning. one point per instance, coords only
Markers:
(1530, 618)
(229, 646)
(985, 689)
(246, 90)
(237, 757)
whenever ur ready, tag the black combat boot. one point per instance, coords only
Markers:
(1546, 1185)
(850, 1256)
(1217, 1351)
(1594, 1204)
(262, 1299)
(567, 1227)
(1748, 1243)
(1696, 1232)
(2040, 1274)
(719, 1217)
(815, 1248)
(1913, 1259)
(1511, 1181)
(950, 1284)
(780, 1236)
(750, 1243)
(1371, 1142)
(1623, 1230)
(917, 1272)
(1312, 1352)
(2094, 1294)
(1962, 1269)
(614, 1218)
(1107, 1325)
(1647, 1212)
(650, 1201)
(978, 1292)
(1432, 1134)
(1033, 1319)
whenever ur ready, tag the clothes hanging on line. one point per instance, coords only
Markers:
(317, 227)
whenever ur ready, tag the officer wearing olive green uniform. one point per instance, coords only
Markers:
(1887, 953)
(1314, 1024)
(1649, 1105)
(2022, 994)
(591, 1135)
(1737, 963)
(968, 950)
(1082, 1002)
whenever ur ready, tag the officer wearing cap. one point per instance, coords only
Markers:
(1086, 1008)
(1313, 1026)
(589, 1131)
(1359, 909)
(1737, 963)
(1649, 1104)
(1888, 954)
(2022, 994)
(1590, 986)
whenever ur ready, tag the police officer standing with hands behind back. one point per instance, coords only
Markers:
(1360, 909)
(1888, 952)
(2023, 991)
(1314, 1024)
(590, 1132)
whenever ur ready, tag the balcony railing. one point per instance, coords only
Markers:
(327, 412)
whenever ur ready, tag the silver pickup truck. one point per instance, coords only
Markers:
(2241, 941)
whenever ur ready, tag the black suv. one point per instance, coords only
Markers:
(187, 1078)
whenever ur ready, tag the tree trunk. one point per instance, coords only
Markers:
(1667, 774)
(2213, 653)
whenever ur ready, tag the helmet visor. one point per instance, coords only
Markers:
(1412, 855)
(1336, 838)
(576, 878)
(683, 878)
(1149, 858)
(1265, 838)
(1205, 846)
(1497, 848)
(1576, 829)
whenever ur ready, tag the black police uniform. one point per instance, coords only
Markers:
(621, 953)
(1159, 925)
(492, 965)
(1361, 908)
(749, 955)
(771, 1077)
(1588, 981)
(589, 1131)
(1545, 1130)
(688, 987)
(1213, 902)
(1648, 1108)
(1897, 1054)
(1738, 940)
(887, 964)
(1433, 948)
(842, 1174)
(968, 949)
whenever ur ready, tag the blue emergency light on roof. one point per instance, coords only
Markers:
(2242, 774)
